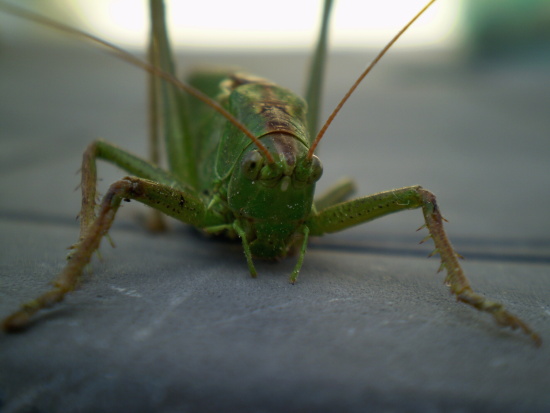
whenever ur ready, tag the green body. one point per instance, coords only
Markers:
(233, 178)
(258, 186)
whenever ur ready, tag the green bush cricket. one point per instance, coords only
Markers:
(247, 170)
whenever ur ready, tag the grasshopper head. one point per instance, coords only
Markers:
(273, 199)
(281, 191)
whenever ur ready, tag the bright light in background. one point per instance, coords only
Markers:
(291, 23)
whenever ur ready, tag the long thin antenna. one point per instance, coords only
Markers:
(360, 78)
(133, 60)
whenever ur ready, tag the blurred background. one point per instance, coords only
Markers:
(241, 24)
(486, 27)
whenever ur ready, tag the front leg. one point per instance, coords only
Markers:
(132, 164)
(348, 214)
(183, 206)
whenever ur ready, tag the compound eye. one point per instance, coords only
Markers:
(308, 171)
(316, 170)
(252, 164)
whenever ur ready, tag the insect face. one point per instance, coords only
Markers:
(288, 183)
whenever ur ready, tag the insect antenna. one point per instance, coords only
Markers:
(135, 61)
(360, 79)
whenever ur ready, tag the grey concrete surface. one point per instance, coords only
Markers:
(173, 322)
